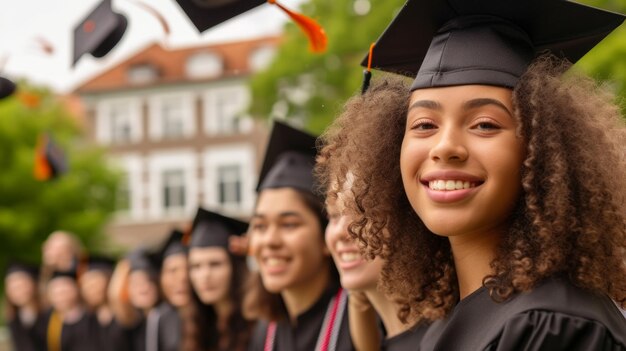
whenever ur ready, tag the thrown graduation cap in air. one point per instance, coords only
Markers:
(491, 42)
(7, 88)
(289, 160)
(99, 32)
(205, 14)
(213, 229)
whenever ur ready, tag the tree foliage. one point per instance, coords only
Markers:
(79, 201)
(311, 88)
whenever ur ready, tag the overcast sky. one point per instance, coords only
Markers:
(22, 22)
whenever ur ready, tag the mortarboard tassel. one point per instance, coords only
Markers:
(44, 45)
(42, 170)
(317, 37)
(367, 73)
(155, 13)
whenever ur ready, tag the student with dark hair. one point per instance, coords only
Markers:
(106, 332)
(134, 294)
(67, 322)
(301, 301)
(495, 192)
(22, 312)
(217, 277)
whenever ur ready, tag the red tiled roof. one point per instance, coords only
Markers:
(171, 64)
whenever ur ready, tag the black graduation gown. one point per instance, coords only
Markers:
(138, 336)
(109, 337)
(304, 336)
(554, 316)
(170, 327)
(407, 340)
(76, 336)
(27, 338)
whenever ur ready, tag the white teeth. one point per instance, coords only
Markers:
(275, 262)
(450, 185)
(349, 256)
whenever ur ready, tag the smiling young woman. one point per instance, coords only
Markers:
(476, 188)
(306, 304)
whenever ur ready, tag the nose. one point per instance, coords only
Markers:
(449, 145)
(272, 236)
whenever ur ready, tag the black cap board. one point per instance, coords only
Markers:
(173, 245)
(491, 42)
(100, 263)
(142, 260)
(99, 32)
(23, 267)
(289, 160)
(7, 88)
(205, 14)
(213, 229)
(72, 274)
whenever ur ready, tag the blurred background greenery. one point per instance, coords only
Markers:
(312, 88)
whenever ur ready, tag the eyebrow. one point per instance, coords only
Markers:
(429, 104)
(476, 103)
(282, 215)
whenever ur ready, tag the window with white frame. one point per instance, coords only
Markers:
(173, 189)
(224, 109)
(123, 196)
(172, 118)
(120, 123)
(229, 185)
(204, 65)
(142, 74)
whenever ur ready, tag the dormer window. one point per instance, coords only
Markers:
(204, 65)
(142, 74)
(261, 57)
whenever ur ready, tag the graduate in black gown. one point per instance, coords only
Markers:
(303, 305)
(497, 189)
(368, 306)
(22, 312)
(217, 277)
(107, 334)
(175, 288)
(67, 323)
(134, 294)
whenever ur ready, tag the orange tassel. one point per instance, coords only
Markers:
(29, 100)
(42, 170)
(317, 37)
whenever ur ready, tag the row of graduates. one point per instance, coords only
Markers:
(195, 292)
(481, 208)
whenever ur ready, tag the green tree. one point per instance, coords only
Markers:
(311, 88)
(79, 201)
(607, 61)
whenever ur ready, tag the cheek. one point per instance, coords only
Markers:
(412, 155)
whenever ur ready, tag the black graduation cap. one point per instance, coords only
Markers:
(289, 159)
(205, 14)
(173, 245)
(142, 260)
(72, 274)
(213, 229)
(23, 267)
(7, 88)
(99, 32)
(491, 42)
(100, 263)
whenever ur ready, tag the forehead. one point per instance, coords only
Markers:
(463, 93)
(213, 252)
(273, 202)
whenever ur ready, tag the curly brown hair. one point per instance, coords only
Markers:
(570, 220)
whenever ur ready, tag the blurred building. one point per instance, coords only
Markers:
(174, 122)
